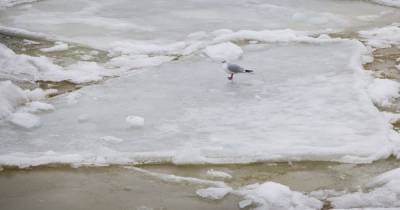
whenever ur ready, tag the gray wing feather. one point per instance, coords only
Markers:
(235, 68)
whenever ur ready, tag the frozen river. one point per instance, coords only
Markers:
(154, 90)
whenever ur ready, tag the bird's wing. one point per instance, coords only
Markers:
(235, 68)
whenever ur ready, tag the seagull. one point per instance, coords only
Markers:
(232, 69)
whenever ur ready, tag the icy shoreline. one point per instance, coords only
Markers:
(170, 107)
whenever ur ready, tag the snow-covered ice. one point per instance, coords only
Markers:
(309, 98)
(11, 96)
(25, 120)
(382, 37)
(214, 193)
(37, 106)
(224, 51)
(25, 67)
(383, 92)
(384, 192)
(275, 196)
(195, 115)
(97, 23)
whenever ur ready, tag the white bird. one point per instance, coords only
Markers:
(232, 69)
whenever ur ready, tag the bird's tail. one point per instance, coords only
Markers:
(248, 71)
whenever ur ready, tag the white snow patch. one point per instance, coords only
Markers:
(37, 106)
(384, 193)
(39, 94)
(224, 51)
(25, 120)
(384, 91)
(24, 67)
(245, 203)
(11, 96)
(135, 121)
(275, 196)
(216, 44)
(214, 193)
(84, 71)
(382, 37)
(218, 174)
(286, 35)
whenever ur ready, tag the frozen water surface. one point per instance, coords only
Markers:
(312, 106)
(99, 23)
(309, 98)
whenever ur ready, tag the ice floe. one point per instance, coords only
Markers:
(383, 92)
(382, 37)
(314, 106)
(275, 196)
(11, 96)
(383, 192)
(218, 174)
(25, 120)
(214, 193)
(37, 106)
(25, 67)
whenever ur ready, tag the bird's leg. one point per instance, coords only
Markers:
(230, 77)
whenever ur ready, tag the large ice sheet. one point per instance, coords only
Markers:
(304, 102)
(99, 23)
